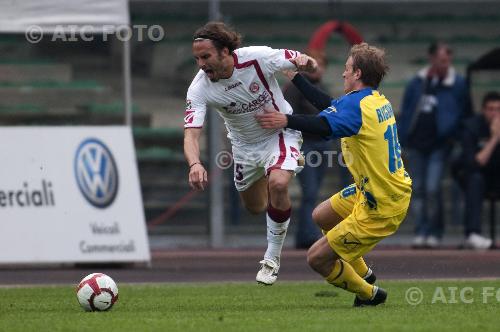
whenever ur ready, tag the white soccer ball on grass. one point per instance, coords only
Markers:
(97, 292)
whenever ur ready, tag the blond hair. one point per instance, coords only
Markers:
(371, 61)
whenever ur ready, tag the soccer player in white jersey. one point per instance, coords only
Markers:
(238, 83)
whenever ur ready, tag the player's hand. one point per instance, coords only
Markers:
(290, 74)
(268, 108)
(305, 63)
(198, 177)
(272, 120)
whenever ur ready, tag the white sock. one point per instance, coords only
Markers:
(276, 233)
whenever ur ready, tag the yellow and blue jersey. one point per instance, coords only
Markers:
(364, 120)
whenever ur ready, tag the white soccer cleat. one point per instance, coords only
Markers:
(268, 272)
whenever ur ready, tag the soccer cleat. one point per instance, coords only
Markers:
(379, 296)
(268, 272)
(370, 277)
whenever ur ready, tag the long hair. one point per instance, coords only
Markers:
(220, 34)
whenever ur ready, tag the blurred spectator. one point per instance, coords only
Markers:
(479, 166)
(433, 104)
(313, 148)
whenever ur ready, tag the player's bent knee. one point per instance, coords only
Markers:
(277, 186)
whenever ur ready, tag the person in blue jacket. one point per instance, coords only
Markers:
(434, 103)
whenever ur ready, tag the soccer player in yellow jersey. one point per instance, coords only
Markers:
(359, 216)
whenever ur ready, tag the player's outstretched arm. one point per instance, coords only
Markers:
(198, 177)
(315, 96)
(316, 125)
(272, 120)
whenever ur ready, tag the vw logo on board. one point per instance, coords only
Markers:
(96, 173)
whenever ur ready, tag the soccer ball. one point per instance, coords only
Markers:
(97, 292)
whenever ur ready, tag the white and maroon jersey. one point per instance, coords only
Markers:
(251, 88)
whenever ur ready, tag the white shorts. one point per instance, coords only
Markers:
(279, 152)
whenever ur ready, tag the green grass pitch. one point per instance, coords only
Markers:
(286, 306)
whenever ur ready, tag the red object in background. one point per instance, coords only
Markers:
(320, 36)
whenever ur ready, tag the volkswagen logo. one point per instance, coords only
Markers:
(96, 173)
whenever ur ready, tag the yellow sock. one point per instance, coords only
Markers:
(344, 276)
(359, 266)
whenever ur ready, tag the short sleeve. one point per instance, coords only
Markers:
(344, 117)
(274, 60)
(196, 109)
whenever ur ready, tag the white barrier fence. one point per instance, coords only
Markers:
(70, 194)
